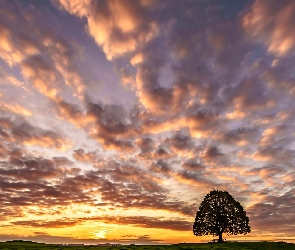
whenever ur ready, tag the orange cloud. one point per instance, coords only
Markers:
(76, 7)
(42, 75)
(272, 22)
(10, 52)
(44, 59)
(48, 142)
(80, 155)
(15, 108)
(116, 26)
(6, 78)
(73, 113)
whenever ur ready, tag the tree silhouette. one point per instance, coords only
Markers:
(220, 213)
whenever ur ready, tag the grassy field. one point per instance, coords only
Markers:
(214, 246)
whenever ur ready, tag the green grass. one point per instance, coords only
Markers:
(214, 246)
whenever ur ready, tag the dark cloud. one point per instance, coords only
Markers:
(71, 112)
(46, 224)
(176, 224)
(146, 145)
(275, 213)
(80, 155)
(161, 166)
(35, 168)
(112, 122)
(182, 141)
(19, 131)
(130, 191)
(150, 222)
(160, 153)
(267, 171)
(194, 178)
(251, 94)
(193, 164)
(242, 136)
(212, 152)
(42, 193)
(272, 154)
(26, 180)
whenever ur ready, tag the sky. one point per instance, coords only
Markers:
(117, 117)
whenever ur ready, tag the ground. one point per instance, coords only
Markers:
(214, 246)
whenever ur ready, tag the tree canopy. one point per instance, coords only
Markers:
(220, 213)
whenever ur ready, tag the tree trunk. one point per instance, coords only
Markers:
(220, 237)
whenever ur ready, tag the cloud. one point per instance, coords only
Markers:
(192, 84)
(30, 169)
(117, 27)
(16, 108)
(212, 152)
(144, 238)
(146, 145)
(41, 73)
(10, 87)
(10, 51)
(22, 193)
(20, 131)
(114, 126)
(29, 180)
(151, 94)
(80, 155)
(270, 174)
(26, 180)
(161, 153)
(149, 150)
(150, 222)
(161, 166)
(129, 36)
(72, 113)
(274, 214)
(194, 178)
(272, 23)
(182, 141)
(176, 224)
(193, 164)
(277, 135)
(46, 224)
(274, 154)
(45, 59)
(241, 136)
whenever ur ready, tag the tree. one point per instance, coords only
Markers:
(220, 213)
